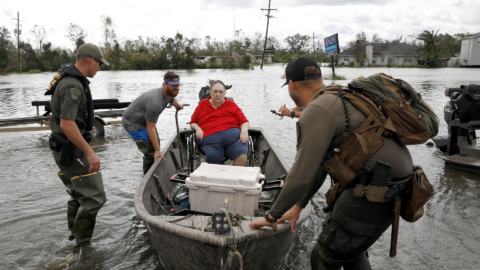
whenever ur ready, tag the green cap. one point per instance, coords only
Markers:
(93, 51)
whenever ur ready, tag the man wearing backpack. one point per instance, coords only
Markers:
(355, 223)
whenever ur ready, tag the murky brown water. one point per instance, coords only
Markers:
(33, 226)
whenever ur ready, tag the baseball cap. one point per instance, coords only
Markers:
(173, 81)
(295, 70)
(88, 49)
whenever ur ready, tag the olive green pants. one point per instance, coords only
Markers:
(348, 231)
(87, 196)
(148, 153)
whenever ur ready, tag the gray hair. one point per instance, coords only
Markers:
(220, 82)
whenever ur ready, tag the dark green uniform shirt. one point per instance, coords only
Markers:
(320, 122)
(69, 101)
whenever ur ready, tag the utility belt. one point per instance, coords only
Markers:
(60, 143)
(408, 194)
(80, 125)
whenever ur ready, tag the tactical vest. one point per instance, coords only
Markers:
(386, 115)
(70, 70)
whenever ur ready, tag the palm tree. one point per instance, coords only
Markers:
(431, 50)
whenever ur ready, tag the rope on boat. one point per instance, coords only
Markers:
(232, 251)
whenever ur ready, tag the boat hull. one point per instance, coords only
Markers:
(179, 246)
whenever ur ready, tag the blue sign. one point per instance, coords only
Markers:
(331, 45)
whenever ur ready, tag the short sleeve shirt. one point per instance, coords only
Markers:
(212, 120)
(148, 106)
(69, 101)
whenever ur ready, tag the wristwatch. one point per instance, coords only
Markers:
(292, 114)
(269, 220)
(157, 149)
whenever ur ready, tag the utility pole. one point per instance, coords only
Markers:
(313, 38)
(233, 22)
(18, 42)
(266, 34)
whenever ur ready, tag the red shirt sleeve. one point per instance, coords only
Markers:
(239, 114)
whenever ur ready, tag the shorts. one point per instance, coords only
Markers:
(139, 135)
(223, 144)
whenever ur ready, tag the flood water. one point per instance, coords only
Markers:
(33, 225)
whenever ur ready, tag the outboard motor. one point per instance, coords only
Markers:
(462, 114)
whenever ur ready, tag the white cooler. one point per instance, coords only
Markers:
(210, 184)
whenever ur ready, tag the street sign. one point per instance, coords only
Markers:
(269, 50)
(331, 45)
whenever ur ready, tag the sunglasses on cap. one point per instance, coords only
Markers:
(100, 63)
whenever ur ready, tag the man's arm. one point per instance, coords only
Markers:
(286, 112)
(154, 139)
(177, 105)
(317, 130)
(244, 132)
(73, 134)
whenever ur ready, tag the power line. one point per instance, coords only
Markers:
(266, 34)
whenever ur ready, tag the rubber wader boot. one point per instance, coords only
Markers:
(72, 204)
(148, 154)
(91, 199)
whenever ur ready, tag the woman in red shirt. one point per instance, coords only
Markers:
(221, 128)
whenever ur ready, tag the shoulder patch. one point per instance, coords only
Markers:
(74, 94)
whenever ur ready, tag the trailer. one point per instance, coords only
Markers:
(104, 109)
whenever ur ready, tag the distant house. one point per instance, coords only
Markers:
(379, 54)
(470, 51)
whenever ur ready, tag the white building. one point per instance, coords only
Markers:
(470, 51)
(380, 54)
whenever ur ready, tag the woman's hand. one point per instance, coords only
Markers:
(199, 134)
(244, 136)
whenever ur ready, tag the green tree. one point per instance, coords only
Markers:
(76, 34)
(108, 30)
(298, 44)
(40, 35)
(5, 44)
(431, 51)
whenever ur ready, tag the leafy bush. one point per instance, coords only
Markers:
(351, 64)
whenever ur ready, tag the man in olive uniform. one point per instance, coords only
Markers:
(72, 122)
(354, 224)
(142, 114)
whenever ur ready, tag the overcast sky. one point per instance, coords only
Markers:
(199, 18)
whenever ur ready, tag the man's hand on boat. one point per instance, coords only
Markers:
(257, 225)
(158, 154)
(291, 215)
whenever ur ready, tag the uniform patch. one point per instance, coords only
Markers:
(74, 94)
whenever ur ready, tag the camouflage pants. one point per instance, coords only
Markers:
(348, 231)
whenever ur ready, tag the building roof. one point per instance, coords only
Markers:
(379, 48)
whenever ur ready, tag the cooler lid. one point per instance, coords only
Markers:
(226, 175)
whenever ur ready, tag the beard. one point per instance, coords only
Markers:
(172, 92)
(293, 97)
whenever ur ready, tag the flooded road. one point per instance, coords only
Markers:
(33, 225)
